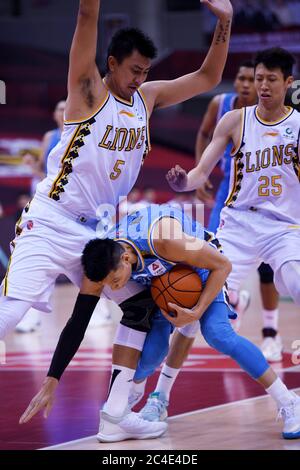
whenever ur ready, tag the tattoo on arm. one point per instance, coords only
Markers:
(222, 33)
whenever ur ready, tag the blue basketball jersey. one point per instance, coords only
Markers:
(226, 104)
(137, 230)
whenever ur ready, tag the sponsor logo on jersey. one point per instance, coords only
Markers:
(29, 224)
(288, 133)
(127, 113)
(271, 134)
(157, 268)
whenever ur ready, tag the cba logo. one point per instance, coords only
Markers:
(288, 133)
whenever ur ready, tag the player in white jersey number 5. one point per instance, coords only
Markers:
(261, 217)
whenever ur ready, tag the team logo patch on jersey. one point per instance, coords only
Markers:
(29, 224)
(157, 268)
(222, 223)
(288, 133)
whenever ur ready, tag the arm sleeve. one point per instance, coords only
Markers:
(72, 334)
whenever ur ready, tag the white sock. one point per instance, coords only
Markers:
(270, 318)
(119, 388)
(280, 393)
(166, 380)
(138, 387)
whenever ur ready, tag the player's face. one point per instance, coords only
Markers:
(271, 86)
(59, 112)
(119, 278)
(130, 74)
(244, 85)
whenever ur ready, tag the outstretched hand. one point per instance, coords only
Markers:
(177, 178)
(221, 8)
(181, 316)
(42, 400)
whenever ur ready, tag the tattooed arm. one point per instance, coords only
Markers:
(169, 92)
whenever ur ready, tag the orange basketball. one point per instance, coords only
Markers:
(181, 286)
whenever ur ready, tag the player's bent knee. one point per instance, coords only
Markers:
(289, 274)
(129, 337)
(137, 311)
(266, 274)
(191, 330)
(220, 336)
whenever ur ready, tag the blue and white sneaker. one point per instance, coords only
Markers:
(155, 408)
(291, 416)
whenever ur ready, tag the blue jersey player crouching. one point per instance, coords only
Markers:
(145, 244)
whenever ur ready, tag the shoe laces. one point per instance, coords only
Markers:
(155, 404)
(286, 412)
(133, 418)
(134, 396)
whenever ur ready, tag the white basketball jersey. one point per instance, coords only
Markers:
(265, 169)
(98, 160)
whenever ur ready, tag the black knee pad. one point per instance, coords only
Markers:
(137, 311)
(266, 274)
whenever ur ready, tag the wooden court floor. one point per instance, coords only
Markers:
(214, 405)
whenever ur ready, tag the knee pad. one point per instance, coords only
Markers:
(137, 311)
(191, 330)
(266, 274)
(126, 336)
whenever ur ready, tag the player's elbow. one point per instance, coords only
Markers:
(226, 266)
(210, 76)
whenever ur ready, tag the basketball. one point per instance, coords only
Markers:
(181, 285)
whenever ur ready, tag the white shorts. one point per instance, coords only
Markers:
(51, 243)
(248, 238)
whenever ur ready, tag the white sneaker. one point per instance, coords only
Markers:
(272, 348)
(134, 398)
(30, 322)
(291, 417)
(156, 408)
(240, 308)
(130, 426)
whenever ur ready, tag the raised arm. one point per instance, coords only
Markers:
(203, 138)
(227, 129)
(160, 94)
(207, 127)
(85, 87)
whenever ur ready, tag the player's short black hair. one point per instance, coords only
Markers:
(246, 63)
(100, 257)
(126, 40)
(274, 58)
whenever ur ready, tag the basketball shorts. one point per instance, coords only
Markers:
(50, 242)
